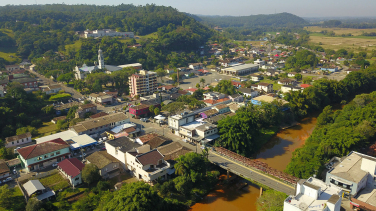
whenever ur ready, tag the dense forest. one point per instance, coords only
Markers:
(42, 28)
(338, 132)
(274, 20)
(369, 24)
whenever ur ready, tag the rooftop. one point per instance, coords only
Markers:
(192, 125)
(210, 112)
(350, 168)
(101, 159)
(3, 167)
(71, 166)
(240, 67)
(42, 148)
(151, 157)
(65, 135)
(97, 115)
(367, 195)
(222, 106)
(206, 127)
(33, 186)
(157, 141)
(147, 137)
(17, 137)
(81, 141)
(67, 105)
(268, 99)
(100, 121)
(123, 144)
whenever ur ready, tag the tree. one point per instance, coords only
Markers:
(90, 173)
(202, 80)
(66, 77)
(161, 73)
(271, 200)
(298, 76)
(30, 129)
(33, 205)
(183, 184)
(156, 111)
(5, 196)
(197, 85)
(48, 109)
(97, 86)
(135, 196)
(72, 112)
(151, 109)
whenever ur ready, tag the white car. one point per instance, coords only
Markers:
(7, 179)
(54, 164)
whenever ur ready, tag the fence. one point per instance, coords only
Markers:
(44, 174)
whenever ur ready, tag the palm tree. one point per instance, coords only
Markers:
(180, 168)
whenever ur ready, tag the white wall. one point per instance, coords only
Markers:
(112, 151)
(289, 207)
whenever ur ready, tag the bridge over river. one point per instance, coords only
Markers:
(255, 172)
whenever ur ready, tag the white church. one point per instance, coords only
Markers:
(82, 72)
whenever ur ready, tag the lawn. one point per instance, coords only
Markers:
(76, 45)
(276, 86)
(55, 182)
(58, 97)
(124, 177)
(48, 128)
(339, 31)
(9, 54)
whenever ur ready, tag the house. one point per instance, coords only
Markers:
(271, 72)
(191, 90)
(71, 168)
(168, 88)
(182, 92)
(101, 98)
(207, 132)
(128, 130)
(4, 170)
(348, 71)
(64, 108)
(330, 69)
(215, 119)
(56, 119)
(266, 87)
(196, 131)
(233, 107)
(314, 194)
(236, 98)
(157, 97)
(292, 74)
(97, 115)
(17, 140)
(213, 95)
(100, 124)
(148, 166)
(256, 78)
(208, 113)
(223, 108)
(181, 118)
(259, 62)
(11, 68)
(287, 81)
(195, 66)
(119, 146)
(237, 84)
(114, 93)
(171, 152)
(248, 92)
(52, 89)
(84, 109)
(153, 140)
(303, 86)
(26, 82)
(139, 111)
(35, 187)
(288, 88)
(108, 165)
(41, 155)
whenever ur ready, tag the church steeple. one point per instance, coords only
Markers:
(100, 59)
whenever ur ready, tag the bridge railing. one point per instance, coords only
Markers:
(256, 165)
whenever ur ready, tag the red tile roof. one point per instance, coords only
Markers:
(147, 137)
(167, 87)
(209, 101)
(42, 148)
(191, 90)
(72, 166)
(305, 85)
(206, 88)
(182, 92)
(222, 100)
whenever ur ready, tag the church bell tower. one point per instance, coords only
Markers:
(100, 59)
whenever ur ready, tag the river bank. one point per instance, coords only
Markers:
(277, 153)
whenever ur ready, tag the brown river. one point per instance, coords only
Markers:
(276, 153)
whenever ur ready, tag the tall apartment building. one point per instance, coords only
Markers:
(143, 83)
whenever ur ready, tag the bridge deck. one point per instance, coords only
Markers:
(247, 172)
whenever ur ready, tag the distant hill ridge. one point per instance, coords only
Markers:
(277, 20)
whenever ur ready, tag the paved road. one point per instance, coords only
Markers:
(46, 81)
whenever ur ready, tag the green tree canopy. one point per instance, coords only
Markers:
(90, 173)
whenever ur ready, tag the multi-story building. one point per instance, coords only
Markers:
(100, 124)
(119, 147)
(214, 95)
(356, 176)
(100, 97)
(83, 109)
(17, 140)
(143, 83)
(38, 156)
(184, 117)
(71, 168)
(148, 166)
(314, 194)
(24, 81)
(266, 87)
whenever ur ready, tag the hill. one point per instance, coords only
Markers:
(43, 28)
(272, 20)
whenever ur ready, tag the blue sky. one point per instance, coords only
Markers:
(303, 8)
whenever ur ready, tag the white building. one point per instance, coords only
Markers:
(17, 140)
(174, 122)
(119, 147)
(266, 87)
(214, 95)
(314, 194)
(259, 62)
(148, 166)
(107, 32)
(288, 88)
(242, 69)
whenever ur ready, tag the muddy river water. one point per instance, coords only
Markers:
(276, 153)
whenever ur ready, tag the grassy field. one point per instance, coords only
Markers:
(76, 45)
(55, 182)
(9, 53)
(47, 129)
(276, 86)
(355, 43)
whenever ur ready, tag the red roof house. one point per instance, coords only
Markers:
(305, 86)
(71, 168)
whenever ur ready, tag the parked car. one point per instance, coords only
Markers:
(144, 119)
(8, 179)
(55, 164)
